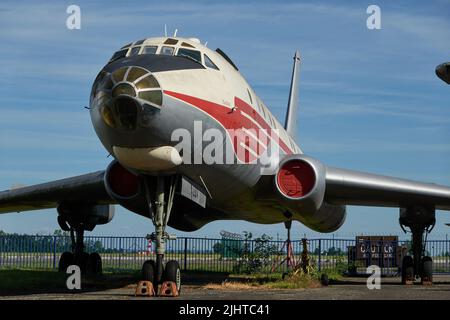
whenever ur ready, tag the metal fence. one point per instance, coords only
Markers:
(220, 255)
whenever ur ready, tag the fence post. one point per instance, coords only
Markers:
(320, 254)
(185, 254)
(54, 252)
(120, 251)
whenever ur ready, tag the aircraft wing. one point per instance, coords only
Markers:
(348, 187)
(84, 189)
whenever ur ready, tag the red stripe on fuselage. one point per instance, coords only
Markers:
(261, 121)
(234, 120)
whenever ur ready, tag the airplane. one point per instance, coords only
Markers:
(154, 91)
(443, 72)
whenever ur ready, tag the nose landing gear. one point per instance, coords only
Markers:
(160, 201)
(420, 220)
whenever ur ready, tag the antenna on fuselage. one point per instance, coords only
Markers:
(290, 123)
(165, 30)
(175, 33)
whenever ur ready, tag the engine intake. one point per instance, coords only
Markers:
(300, 185)
(300, 182)
(121, 183)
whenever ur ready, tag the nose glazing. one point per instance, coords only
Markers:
(127, 97)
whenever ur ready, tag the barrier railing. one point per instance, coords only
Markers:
(219, 255)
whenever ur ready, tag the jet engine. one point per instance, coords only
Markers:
(126, 187)
(300, 184)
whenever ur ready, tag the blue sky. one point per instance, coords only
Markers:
(369, 99)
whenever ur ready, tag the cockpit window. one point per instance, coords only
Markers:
(168, 51)
(149, 50)
(134, 51)
(185, 44)
(171, 41)
(139, 42)
(209, 63)
(192, 54)
(118, 55)
(125, 46)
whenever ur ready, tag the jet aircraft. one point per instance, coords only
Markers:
(192, 143)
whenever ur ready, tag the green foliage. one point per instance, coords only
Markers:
(218, 248)
(256, 254)
(332, 251)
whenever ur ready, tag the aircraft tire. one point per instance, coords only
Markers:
(94, 264)
(65, 260)
(427, 269)
(407, 269)
(172, 272)
(149, 271)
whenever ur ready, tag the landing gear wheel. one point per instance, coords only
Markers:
(82, 261)
(172, 273)
(94, 264)
(427, 270)
(149, 271)
(65, 260)
(407, 269)
(324, 280)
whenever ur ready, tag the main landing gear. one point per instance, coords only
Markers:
(160, 201)
(420, 220)
(90, 264)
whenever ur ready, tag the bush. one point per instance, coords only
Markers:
(255, 259)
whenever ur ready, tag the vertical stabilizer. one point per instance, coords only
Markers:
(291, 115)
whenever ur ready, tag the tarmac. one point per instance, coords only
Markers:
(206, 288)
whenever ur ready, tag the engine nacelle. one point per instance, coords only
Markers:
(84, 214)
(300, 184)
(127, 188)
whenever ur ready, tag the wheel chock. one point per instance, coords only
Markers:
(144, 288)
(426, 281)
(168, 289)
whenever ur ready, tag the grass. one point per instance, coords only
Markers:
(27, 280)
(19, 281)
(273, 281)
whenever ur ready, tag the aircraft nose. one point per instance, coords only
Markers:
(127, 97)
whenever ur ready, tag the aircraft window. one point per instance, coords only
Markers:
(119, 74)
(223, 54)
(171, 41)
(192, 54)
(184, 44)
(106, 84)
(125, 46)
(107, 116)
(123, 88)
(118, 55)
(136, 73)
(149, 50)
(209, 63)
(264, 111)
(250, 96)
(134, 51)
(168, 51)
(139, 42)
(147, 82)
(154, 96)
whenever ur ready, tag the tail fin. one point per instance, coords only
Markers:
(291, 116)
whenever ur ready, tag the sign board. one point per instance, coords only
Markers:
(383, 251)
(192, 192)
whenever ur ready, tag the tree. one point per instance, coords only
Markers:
(218, 248)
